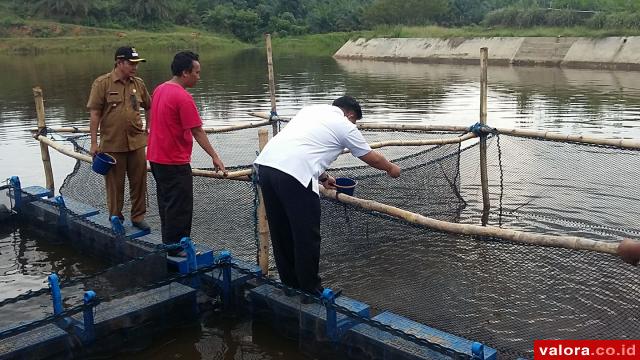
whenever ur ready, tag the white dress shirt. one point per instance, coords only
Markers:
(311, 141)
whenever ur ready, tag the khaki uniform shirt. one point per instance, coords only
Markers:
(121, 129)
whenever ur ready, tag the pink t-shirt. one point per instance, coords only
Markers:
(173, 115)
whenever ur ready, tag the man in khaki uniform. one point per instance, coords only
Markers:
(114, 104)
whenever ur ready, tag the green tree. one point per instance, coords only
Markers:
(150, 10)
(336, 15)
(406, 12)
(64, 9)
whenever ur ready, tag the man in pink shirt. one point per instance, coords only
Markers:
(175, 124)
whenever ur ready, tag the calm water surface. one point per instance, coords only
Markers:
(604, 103)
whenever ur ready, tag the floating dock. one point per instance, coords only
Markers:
(323, 326)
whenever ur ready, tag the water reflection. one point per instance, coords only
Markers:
(566, 100)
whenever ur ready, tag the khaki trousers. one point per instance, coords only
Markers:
(134, 164)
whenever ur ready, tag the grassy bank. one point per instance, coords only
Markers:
(41, 36)
(317, 44)
(51, 37)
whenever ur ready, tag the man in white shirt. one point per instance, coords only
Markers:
(291, 166)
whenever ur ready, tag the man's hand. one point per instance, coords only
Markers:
(329, 182)
(93, 149)
(218, 165)
(393, 171)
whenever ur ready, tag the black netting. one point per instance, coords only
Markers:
(555, 188)
(502, 294)
(489, 290)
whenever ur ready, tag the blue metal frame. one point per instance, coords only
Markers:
(89, 322)
(190, 249)
(477, 351)
(56, 295)
(329, 299)
(62, 216)
(14, 181)
(225, 260)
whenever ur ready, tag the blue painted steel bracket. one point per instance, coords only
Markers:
(190, 249)
(17, 192)
(56, 295)
(204, 257)
(237, 277)
(62, 215)
(33, 191)
(331, 325)
(56, 298)
(76, 207)
(89, 333)
(336, 324)
(225, 261)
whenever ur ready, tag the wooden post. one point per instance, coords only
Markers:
(263, 225)
(272, 83)
(486, 204)
(44, 149)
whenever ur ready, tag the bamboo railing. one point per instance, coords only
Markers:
(631, 144)
(208, 130)
(242, 175)
(567, 242)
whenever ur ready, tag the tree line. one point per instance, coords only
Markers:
(248, 19)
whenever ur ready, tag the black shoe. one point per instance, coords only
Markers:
(142, 225)
(312, 297)
(289, 291)
(307, 299)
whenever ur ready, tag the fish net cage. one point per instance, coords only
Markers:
(498, 292)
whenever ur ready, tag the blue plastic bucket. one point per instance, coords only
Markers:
(102, 162)
(346, 185)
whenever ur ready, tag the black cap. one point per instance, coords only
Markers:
(128, 53)
(349, 103)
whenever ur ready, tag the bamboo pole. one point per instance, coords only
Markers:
(263, 225)
(484, 177)
(42, 126)
(453, 140)
(264, 115)
(413, 127)
(242, 175)
(63, 149)
(207, 130)
(272, 82)
(567, 242)
(65, 129)
(631, 144)
(236, 127)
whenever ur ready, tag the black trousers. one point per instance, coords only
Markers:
(174, 186)
(293, 213)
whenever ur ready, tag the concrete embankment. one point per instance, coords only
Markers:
(610, 52)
